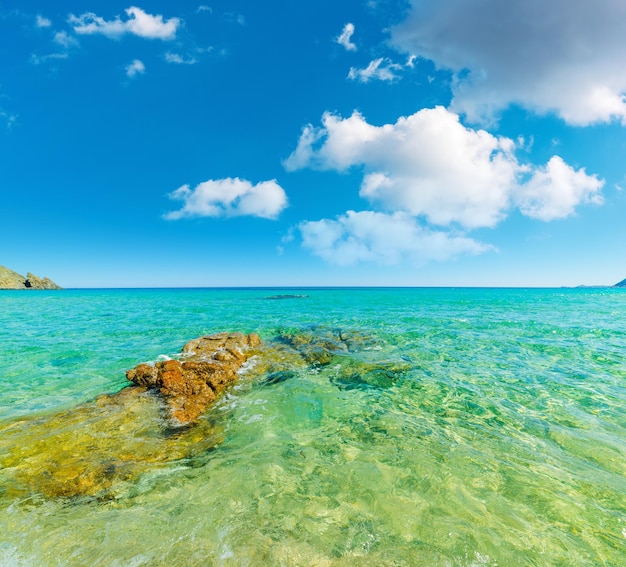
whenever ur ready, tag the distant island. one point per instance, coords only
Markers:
(618, 284)
(12, 280)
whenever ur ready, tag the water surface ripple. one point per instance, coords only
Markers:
(502, 440)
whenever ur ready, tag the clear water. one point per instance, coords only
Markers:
(503, 441)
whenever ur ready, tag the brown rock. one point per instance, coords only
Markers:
(94, 450)
(143, 375)
(210, 364)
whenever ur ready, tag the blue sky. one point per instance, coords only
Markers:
(380, 142)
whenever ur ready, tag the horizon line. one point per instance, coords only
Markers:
(326, 287)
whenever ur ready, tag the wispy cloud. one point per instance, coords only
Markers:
(41, 59)
(229, 197)
(559, 56)
(382, 69)
(179, 59)
(139, 23)
(42, 22)
(387, 239)
(8, 118)
(345, 37)
(65, 40)
(134, 68)
(233, 17)
(204, 8)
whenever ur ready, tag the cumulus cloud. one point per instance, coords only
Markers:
(382, 69)
(139, 23)
(558, 56)
(429, 165)
(136, 67)
(554, 191)
(369, 236)
(230, 197)
(345, 37)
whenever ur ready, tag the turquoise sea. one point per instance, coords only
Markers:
(475, 427)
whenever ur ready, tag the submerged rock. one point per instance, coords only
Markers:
(319, 347)
(279, 376)
(95, 449)
(210, 365)
(286, 296)
(12, 280)
(100, 448)
(363, 375)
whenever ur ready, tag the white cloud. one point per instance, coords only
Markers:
(42, 22)
(345, 37)
(234, 18)
(430, 165)
(558, 56)
(136, 67)
(64, 39)
(139, 23)
(179, 59)
(8, 118)
(382, 69)
(555, 190)
(229, 197)
(369, 236)
(204, 8)
(41, 59)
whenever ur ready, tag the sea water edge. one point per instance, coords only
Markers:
(502, 444)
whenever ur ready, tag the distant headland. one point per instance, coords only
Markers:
(12, 280)
(620, 284)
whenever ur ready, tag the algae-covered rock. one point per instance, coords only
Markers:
(98, 448)
(363, 375)
(93, 449)
(320, 346)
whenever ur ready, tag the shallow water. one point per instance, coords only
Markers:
(473, 427)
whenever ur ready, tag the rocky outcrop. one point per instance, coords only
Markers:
(34, 282)
(99, 449)
(12, 280)
(209, 365)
